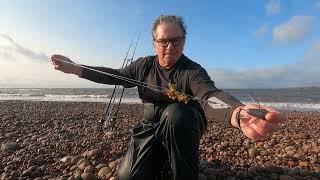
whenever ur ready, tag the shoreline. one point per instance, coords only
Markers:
(290, 106)
(49, 135)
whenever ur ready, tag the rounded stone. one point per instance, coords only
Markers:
(253, 152)
(74, 167)
(89, 169)
(290, 148)
(83, 165)
(77, 176)
(286, 177)
(299, 156)
(88, 176)
(11, 146)
(104, 171)
(14, 174)
(303, 164)
(94, 152)
(99, 166)
(75, 159)
(112, 164)
(8, 168)
(66, 159)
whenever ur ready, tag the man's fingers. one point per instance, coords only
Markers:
(264, 128)
(275, 117)
(57, 57)
(251, 132)
(57, 66)
(255, 128)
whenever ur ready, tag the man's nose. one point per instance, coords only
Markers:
(170, 45)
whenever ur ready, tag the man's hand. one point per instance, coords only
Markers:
(255, 128)
(65, 67)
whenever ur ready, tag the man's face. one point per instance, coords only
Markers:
(168, 43)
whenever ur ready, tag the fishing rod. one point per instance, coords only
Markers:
(120, 99)
(107, 117)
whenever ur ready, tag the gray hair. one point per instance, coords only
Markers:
(169, 19)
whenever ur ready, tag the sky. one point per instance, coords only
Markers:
(241, 44)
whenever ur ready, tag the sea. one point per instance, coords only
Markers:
(289, 99)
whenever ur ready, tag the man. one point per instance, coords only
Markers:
(171, 129)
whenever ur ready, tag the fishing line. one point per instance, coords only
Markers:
(214, 102)
(133, 81)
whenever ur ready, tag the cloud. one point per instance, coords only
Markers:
(260, 31)
(303, 73)
(25, 67)
(293, 30)
(273, 7)
(14, 51)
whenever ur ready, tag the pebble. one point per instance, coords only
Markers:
(286, 177)
(299, 156)
(313, 160)
(209, 150)
(14, 174)
(316, 168)
(11, 146)
(210, 159)
(302, 136)
(41, 151)
(303, 164)
(9, 135)
(113, 164)
(88, 176)
(57, 145)
(246, 143)
(290, 148)
(253, 152)
(291, 163)
(89, 169)
(31, 170)
(83, 165)
(286, 155)
(100, 166)
(77, 176)
(8, 168)
(66, 159)
(94, 152)
(104, 171)
(75, 159)
(74, 167)
(290, 153)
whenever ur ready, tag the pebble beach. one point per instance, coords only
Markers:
(57, 140)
